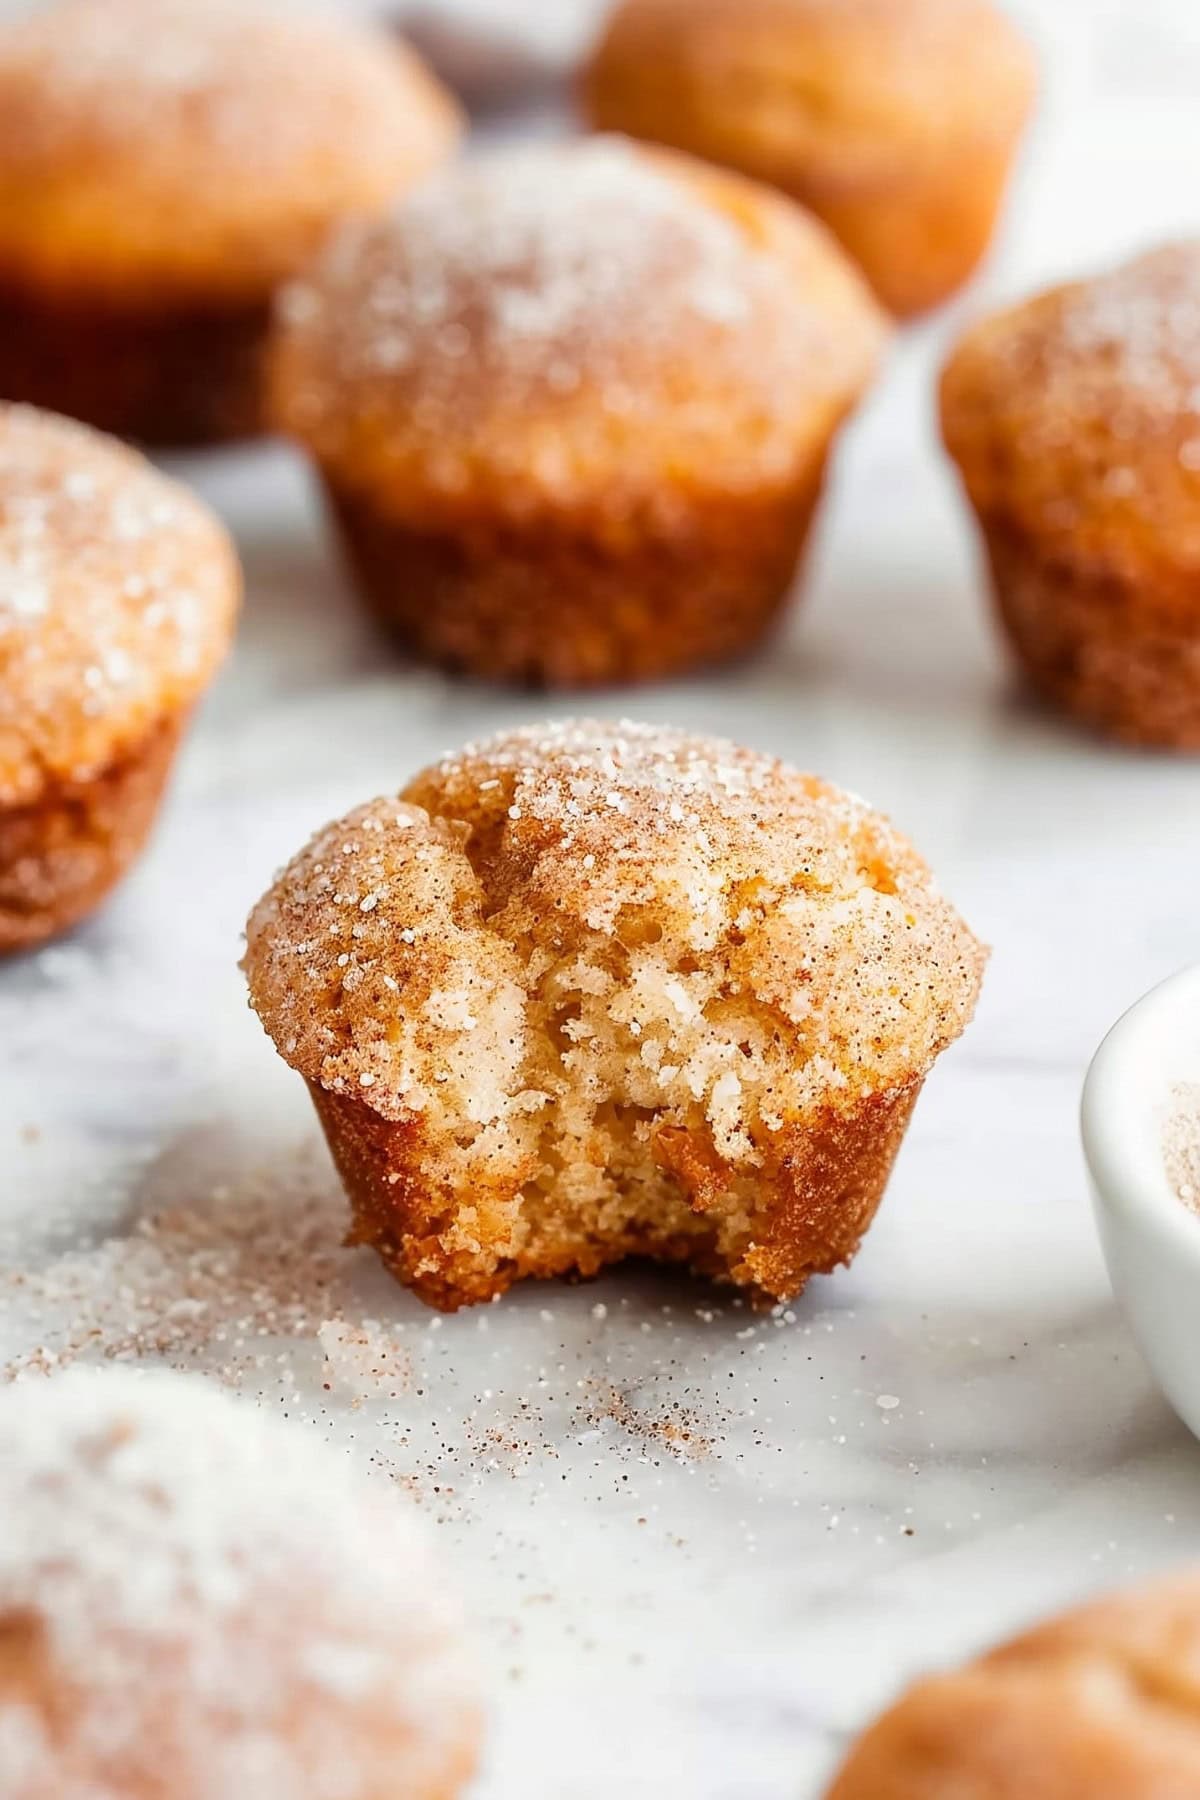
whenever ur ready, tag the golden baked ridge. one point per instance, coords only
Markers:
(896, 121)
(1102, 1704)
(118, 592)
(596, 991)
(573, 404)
(1074, 419)
(164, 164)
(196, 1602)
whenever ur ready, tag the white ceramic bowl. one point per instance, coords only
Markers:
(1151, 1241)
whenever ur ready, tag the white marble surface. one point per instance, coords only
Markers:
(955, 1434)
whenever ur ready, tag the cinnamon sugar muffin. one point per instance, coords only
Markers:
(572, 405)
(597, 991)
(895, 120)
(1103, 1704)
(164, 164)
(1074, 419)
(199, 1604)
(118, 591)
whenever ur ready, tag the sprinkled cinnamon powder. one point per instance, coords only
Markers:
(1181, 1144)
(214, 1281)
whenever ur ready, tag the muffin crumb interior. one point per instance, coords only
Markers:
(601, 971)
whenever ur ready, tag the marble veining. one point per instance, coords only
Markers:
(700, 1545)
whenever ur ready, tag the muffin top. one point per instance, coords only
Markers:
(118, 591)
(1103, 1701)
(176, 150)
(588, 325)
(841, 87)
(1075, 417)
(198, 1602)
(763, 944)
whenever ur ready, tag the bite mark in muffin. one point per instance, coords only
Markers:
(600, 991)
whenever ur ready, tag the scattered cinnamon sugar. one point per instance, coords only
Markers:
(675, 1426)
(1181, 1144)
(208, 1281)
(363, 1360)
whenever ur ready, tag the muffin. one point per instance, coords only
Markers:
(1103, 1704)
(1075, 423)
(164, 164)
(572, 405)
(118, 591)
(894, 120)
(196, 1603)
(597, 991)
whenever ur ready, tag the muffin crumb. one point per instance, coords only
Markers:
(619, 991)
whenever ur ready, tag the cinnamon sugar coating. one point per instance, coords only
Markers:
(895, 120)
(1102, 1704)
(196, 1603)
(1074, 419)
(594, 991)
(118, 591)
(164, 164)
(583, 366)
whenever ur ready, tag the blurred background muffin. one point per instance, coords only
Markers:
(197, 1603)
(895, 120)
(572, 405)
(164, 164)
(1102, 1704)
(1074, 419)
(118, 591)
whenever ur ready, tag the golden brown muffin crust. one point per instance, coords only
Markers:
(593, 983)
(1074, 418)
(198, 149)
(1103, 1704)
(841, 91)
(60, 856)
(117, 600)
(587, 332)
(118, 591)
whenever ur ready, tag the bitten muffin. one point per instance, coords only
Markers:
(164, 164)
(597, 991)
(1103, 1704)
(572, 405)
(198, 1604)
(895, 120)
(118, 592)
(1075, 423)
